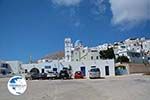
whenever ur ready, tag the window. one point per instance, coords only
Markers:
(5, 65)
(123, 47)
(26, 71)
(91, 57)
(83, 51)
(97, 57)
(67, 57)
(47, 67)
(55, 69)
(71, 52)
(94, 51)
(93, 66)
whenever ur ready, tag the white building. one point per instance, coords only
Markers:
(146, 46)
(4, 68)
(133, 44)
(136, 49)
(85, 58)
(78, 58)
(68, 48)
(43, 67)
(80, 53)
(11, 67)
(106, 67)
(103, 47)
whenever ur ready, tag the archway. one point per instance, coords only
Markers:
(34, 70)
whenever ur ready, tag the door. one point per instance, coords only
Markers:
(107, 70)
(83, 70)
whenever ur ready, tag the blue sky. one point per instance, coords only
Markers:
(38, 27)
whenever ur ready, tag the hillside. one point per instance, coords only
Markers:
(54, 56)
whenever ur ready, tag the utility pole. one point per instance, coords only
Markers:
(30, 59)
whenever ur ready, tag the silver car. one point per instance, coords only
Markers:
(94, 73)
(52, 75)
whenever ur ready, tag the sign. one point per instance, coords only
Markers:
(17, 85)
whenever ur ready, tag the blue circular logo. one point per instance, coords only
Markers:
(17, 85)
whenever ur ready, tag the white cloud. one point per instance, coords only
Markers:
(99, 7)
(130, 11)
(66, 2)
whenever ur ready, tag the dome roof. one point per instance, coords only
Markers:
(78, 43)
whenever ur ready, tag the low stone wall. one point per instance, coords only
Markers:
(136, 68)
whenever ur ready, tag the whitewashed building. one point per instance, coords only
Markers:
(43, 67)
(11, 67)
(133, 44)
(146, 46)
(106, 67)
(82, 58)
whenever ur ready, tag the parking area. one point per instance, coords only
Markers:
(131, 87)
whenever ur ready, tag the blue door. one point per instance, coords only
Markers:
(83, 70)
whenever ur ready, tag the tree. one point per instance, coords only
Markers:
(122, 59)
(107, 54)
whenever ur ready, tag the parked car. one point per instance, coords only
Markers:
(78, 75)
(34, 76)
(27, 76)
(43, 75)
(52, 75)
(64, 74)
(38, 76)
(94, 73)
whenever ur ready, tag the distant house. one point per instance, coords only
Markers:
(10, 67)
(5, 68)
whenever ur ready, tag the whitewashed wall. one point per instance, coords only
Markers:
(98, 63)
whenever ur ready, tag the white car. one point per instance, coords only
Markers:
(52, 75)
(94, 73)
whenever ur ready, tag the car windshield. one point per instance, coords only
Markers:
(94, 70)
(63, 71)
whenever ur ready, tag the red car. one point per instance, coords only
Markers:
(78, 75)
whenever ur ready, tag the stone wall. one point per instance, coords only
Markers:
(139, 68)
(136, 68)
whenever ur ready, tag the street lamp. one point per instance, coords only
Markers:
(144, 60)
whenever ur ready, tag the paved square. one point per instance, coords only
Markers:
(133, 87)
